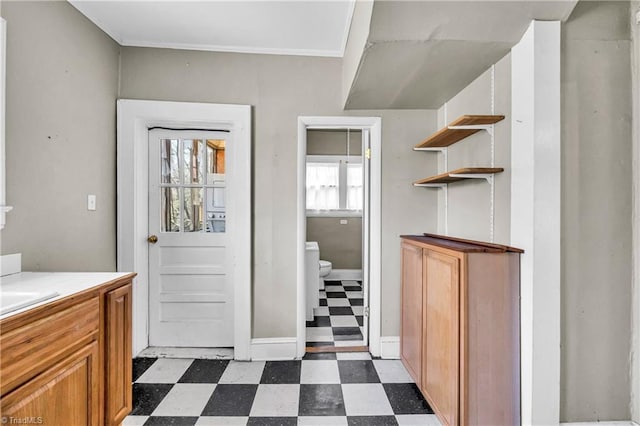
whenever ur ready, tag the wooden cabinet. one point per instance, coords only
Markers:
(68, 362)
(118, 355)
(65, 394)
(468, 331)
(411, 339)
(440, 333)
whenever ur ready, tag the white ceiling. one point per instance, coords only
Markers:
(311, 28)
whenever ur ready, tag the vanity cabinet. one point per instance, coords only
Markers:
(66, 393)
(68, 362)
(460, 327)
(118, 375)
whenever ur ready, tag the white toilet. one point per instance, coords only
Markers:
(325, 269)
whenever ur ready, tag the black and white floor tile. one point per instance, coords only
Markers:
(322, 389)
(339, 320)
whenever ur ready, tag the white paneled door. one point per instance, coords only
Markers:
(190, 282)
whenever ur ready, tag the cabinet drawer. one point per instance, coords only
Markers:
(29, 349)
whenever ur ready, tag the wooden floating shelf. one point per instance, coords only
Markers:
(458, 175)
(459, 129)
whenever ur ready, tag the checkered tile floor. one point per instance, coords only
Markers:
(339, 320)
(323, 389)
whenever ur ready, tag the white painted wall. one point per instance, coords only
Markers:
(488, 94)
(535, 215)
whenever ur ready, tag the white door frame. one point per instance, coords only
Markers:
(374, 125)
(135, 117)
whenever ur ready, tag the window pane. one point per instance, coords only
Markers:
(192, 210)
(216, 212)
(215, 161)
(170, 167)
(323, 189)
(170, 205)
(193, 157)
(355, 194)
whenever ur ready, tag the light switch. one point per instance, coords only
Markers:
(91, 202)
(343, 221)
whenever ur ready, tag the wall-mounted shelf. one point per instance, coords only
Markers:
(457, 130)
(442, 180)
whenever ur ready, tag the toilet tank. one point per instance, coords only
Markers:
(312, 245)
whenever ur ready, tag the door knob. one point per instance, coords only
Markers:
(152, 239)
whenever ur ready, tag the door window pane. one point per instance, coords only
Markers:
(193, 158)
(215, 161)
(192, 210)
(193, 185)
(216, 213)
(170, 168)
(170, 205)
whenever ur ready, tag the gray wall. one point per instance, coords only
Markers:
(596, 213)
(281, 88)
(405, 209)
(356, 42)
(339, 244)
(635, 354)
(62, 82)
(469, 203)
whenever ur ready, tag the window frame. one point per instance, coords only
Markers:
(341, 160)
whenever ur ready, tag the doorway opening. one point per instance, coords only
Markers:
(190, 247)
(334, 193)
(338, 234)
(229, 122)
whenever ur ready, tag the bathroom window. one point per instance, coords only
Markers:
(334, 185)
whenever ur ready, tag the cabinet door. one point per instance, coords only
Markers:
(118, 355)
(441, 338)
(411, 333)
(65, 394)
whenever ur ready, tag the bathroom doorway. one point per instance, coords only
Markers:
(338, 231)
(334, 197)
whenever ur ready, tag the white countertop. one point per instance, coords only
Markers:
(64, 283)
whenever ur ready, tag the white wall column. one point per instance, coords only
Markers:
(536, 215)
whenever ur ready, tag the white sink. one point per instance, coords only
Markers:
(14, 300)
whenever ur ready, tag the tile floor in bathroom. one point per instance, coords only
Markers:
(322, 389)
(339, 320)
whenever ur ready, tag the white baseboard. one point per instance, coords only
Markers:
(273, 349)
(197, 353)
(616, 423)
(390, 347)
(345, 274)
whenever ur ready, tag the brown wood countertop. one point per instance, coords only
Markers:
(461, 245)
